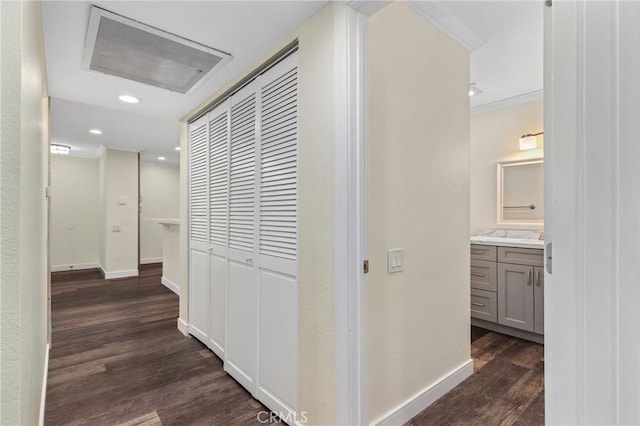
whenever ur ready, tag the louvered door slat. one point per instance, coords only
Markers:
(242, 174)
(218, 178)
(279, 167)
(198, 182)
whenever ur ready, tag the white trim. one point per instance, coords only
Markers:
(120, 274)
(349, 237)
(148, 260)
(414, 405)
(525, 98)
(43, 394)
(170, 285)
(101, 150)
(183, 326)
(368, 7)
(74, 267)
(440, 16)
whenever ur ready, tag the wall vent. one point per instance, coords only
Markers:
(120, 46)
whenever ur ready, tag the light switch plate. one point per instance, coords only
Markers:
(122, 201)
(395, 260)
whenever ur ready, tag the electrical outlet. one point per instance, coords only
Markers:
(395, 260)
(115, 228)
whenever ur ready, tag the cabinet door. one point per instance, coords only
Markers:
(538, 296)
(515, 296)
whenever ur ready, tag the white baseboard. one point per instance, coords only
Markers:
(74, 267)
(183, 327)
(120, 274)
(410, 408)
(148, 260)
(170, 285)
(43, 396)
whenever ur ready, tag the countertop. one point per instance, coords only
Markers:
(164, 221)
(508, 242)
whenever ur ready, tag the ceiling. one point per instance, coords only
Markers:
(507, 63)
(85, 99)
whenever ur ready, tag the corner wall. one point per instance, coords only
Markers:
(494, 138)
(119, 185)
(23, 213)
(418, 200)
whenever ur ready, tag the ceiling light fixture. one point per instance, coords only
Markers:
(129, 99)
(59, 149)
(95, 131)
(177, 148)
(473, 90)
(529, 141)
(161, 158)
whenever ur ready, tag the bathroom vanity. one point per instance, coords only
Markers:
(507, 284)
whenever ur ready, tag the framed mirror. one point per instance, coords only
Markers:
(521, 192)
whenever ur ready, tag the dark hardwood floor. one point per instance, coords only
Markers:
(117, 358)
(506, 388)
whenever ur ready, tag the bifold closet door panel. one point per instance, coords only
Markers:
(218, 223)
(199, 315)
(278, 227)
(241, 352)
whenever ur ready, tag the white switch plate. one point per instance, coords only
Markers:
(395, 260)
(122, 201)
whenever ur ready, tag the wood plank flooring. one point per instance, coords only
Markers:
(506, 388)
(117, 358)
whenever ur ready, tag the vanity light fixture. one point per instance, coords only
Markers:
(529, 141)
(59, 149)
(95, 131)
(474, 90)
(129, 99)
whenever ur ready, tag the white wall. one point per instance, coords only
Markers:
(75, 213)
(23, 207)
(120, 183)
(159, 190)
(494, 138)
(316, 335)
(418, 200)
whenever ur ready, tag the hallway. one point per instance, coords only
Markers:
(117, 358)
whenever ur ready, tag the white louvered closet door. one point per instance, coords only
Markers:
(199, 289)
(278, 237)
(241, 352)
(218, 223)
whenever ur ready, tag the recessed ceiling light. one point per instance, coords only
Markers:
(161, 158)
(60, 149)
(129, 99)
(177, 148)
(473, 90)
(95, 131)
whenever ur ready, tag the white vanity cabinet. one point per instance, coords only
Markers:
(507, 290)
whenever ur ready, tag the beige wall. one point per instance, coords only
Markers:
(120, 182)
(418, 199)
(23, 230)
(316, 350)
(75, 216)
(494, 138)
(159, 186)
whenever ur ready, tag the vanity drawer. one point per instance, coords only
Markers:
(484, 305)
(521, 256)
(484, 275)
(480, 252)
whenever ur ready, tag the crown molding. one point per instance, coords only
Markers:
(440, 16)
(509, 102)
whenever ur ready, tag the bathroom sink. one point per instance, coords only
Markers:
(508, 241)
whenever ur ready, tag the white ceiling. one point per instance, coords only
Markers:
(246, 30)
(508, 63)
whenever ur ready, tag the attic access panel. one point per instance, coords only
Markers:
(119, 46)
